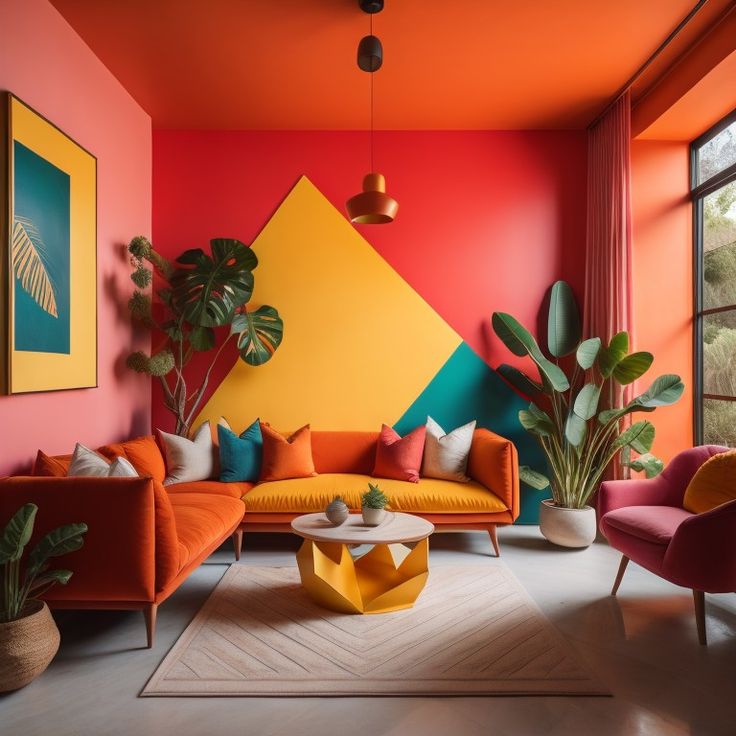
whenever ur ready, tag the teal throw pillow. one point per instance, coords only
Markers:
(240, 457)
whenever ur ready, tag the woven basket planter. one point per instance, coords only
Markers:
(27, 645)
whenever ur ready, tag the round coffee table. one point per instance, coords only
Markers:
(387, 578)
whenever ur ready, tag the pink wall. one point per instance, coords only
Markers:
(45, 63)
(487, 220)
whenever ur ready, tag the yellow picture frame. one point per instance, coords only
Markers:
(48, 263)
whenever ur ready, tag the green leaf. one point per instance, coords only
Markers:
(648, 464)
(536, 421)
(52, 576)
(209, 290)
(587, 352)
(532, 478)
(610, 357)
(575, 429)
(60, 541)
(664, 391)
(632, 367)
(639, 436)
(563, 322)
(520, 381)
(202, 338)
(512, 333)
(520, 342)
(17, 532)
(586, 402)
(173, 329)
(260, 333)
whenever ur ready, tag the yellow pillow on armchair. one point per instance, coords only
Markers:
(713, 484)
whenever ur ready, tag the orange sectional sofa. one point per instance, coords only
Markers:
(145, 538)
(344, 463)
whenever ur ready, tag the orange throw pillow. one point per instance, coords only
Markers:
(142, 452)
(286, 457)
(52, 467)
(399, 457)
(714, 483)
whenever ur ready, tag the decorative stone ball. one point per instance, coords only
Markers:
(337, 512)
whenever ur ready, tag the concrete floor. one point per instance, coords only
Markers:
(642, 646)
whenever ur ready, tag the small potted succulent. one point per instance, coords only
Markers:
(29, 638)
(337, 511)
(373, 504)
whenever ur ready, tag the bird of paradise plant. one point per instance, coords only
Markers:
(202, 294)
(573, 414)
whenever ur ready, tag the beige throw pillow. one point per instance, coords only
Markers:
(189, 460)
(87, 463)
(446, 455)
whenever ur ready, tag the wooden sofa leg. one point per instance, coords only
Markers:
(699, 600)
(620, 574)
(494, 539)
(149, 613)
(237, 542)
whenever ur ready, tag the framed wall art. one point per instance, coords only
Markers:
(48, 265)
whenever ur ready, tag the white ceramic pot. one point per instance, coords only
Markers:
(567, 527)
(373, 517)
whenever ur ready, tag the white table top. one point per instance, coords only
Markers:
(396, 528)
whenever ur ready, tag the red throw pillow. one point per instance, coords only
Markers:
(399, 457)
(55, 467)
(286, 457)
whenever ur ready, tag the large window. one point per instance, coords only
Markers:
(713, 179)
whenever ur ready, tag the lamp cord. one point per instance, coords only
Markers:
(372, 73)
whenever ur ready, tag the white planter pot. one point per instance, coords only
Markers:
(373, 517)
(567, 527)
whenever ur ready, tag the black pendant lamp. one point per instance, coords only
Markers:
(372, 206)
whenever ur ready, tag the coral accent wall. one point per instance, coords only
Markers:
(45, 63)
(663, 279)
(487, 220)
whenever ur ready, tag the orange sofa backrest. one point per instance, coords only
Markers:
(344, 452)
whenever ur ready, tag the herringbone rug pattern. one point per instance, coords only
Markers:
(473, 631)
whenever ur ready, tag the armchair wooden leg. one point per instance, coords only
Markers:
(699, 600)
(149, 613)
(494, 539)
(620, 574)
(237, 542)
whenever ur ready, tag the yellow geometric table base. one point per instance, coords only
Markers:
(388, 578)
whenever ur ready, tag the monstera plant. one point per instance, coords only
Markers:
(576, 412)
(202, 294)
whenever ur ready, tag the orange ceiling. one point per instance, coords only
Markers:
(290, 64)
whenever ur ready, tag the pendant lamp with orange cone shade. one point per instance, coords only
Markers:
(372, 206)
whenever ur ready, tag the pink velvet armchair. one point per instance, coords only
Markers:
(645, 520)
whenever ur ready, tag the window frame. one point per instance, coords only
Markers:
(698, 192)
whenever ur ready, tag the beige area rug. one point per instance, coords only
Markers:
(473, 631)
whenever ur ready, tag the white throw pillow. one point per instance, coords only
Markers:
(189, 460)
(446, 455)
(87, 463)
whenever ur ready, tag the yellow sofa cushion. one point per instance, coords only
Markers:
(307, 495)
(714, 483)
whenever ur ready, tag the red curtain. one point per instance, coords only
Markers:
(608, 266)
(608, 286)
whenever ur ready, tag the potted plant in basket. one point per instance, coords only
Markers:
(29, 638)
(373, 505)
(576, 413)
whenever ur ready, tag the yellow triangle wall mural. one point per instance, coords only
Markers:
(359, 343)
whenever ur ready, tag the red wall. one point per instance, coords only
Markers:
(45, 63)
(487, 220)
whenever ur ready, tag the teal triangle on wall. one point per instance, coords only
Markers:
(466, 388)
